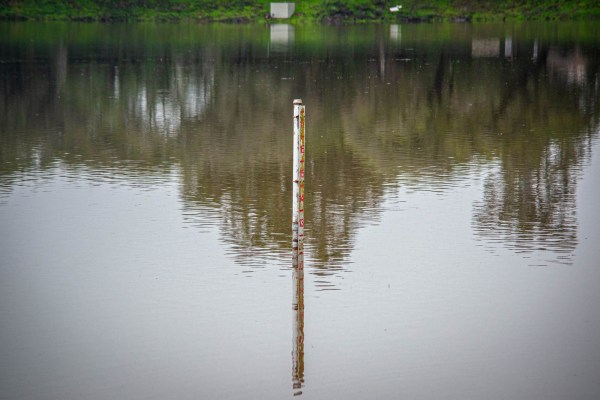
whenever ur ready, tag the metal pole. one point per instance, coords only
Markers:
(298, 178)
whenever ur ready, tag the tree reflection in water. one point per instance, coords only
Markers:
(213, 105)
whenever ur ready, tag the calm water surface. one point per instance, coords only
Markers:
(452, 220)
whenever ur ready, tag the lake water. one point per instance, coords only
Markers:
(452, 218)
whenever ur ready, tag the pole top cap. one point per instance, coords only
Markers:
(297, 101)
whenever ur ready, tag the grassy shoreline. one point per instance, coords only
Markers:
(307, 11)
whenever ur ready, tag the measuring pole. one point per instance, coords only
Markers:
(298, 249)
(298, 179)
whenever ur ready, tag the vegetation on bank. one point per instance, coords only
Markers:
(331, 11)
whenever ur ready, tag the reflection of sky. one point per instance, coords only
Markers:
(103, 281)
(458, 313)
(588, 192)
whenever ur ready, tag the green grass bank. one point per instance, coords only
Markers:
(317, 11)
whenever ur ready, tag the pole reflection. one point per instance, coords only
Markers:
(298, 324)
